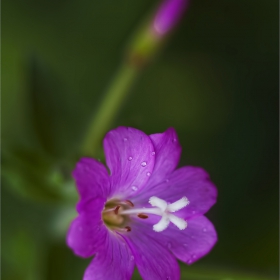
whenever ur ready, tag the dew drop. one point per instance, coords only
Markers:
(134, 188)
(189, 261)
(124, 139)
(148, 174)
(131, 258)
(153, 153)
(166, 180)
(174, 140)
(185, 245)
(144, 163)
(204, 229)
(194, 256)
(130, 158)
(193, 212)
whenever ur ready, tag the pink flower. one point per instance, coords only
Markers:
(145, 213)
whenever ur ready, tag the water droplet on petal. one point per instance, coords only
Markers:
(130, 158)
(131, 258)
(166, 180)
(153, 153)
(194, 256)
(124, 139)
(144, 163)
(193, 212)
(134, 188)
(185, 245)
(204, 229)
(148, 174)
(189, 261)
(174, 140)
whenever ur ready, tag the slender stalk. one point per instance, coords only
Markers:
(143, 47)
(109, 108)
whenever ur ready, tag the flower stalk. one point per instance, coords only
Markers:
(109, 108)
(144, 46)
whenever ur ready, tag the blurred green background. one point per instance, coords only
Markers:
(215, 81)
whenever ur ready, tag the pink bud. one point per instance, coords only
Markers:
(168, 14)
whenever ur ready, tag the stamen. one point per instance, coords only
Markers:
(130, 203)
(117, 209)
(122, 230)
(128, 229)
(143, 216)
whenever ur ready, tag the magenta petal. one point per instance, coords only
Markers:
(167, 155)
(192, 243)
(87, 232)
(153, 260)
(191, 182)
(114, 262)
(91, 178)
(129, 156)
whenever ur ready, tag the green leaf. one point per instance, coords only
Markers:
(34, 176)
(49, 109)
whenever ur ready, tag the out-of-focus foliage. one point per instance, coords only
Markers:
(216, 82)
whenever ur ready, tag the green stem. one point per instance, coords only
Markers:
(143, 46)
(109, 108)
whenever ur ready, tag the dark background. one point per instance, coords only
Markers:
(215, 82)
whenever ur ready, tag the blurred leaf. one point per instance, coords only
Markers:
(21, 257)
(48, 107)
(198, 272)
(32, 175)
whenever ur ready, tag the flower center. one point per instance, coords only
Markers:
(119, 215)
(110, 214)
